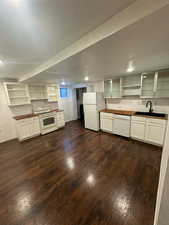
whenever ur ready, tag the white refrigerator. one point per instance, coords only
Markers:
(92, 103)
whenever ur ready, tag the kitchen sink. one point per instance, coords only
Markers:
(151, 114)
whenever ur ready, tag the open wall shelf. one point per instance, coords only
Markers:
(23, 94)
(149, 85)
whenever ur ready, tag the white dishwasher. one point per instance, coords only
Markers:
(121, 125)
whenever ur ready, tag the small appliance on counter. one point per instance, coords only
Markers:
(93, 102)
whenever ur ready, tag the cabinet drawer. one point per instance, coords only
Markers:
(122, 117)
(106, 115)
(60, 114)
(60, 117)
(35, 118)
(138, 118)
(155, 133)
(106, 124)
(138, 129)
(156, 121)
(27, 120)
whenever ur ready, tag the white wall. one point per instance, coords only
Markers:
(136, 104)
(69, 105)
(7, 123)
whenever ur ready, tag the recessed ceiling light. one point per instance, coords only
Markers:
(86, 78)
(63, 83)
(1, 62)
(130, 69)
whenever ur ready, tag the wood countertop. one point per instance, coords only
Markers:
(30, 115)
(120, 112)
(131, 113)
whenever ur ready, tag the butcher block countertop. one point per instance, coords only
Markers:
(131, 113)
(120, 112)
(25, 116)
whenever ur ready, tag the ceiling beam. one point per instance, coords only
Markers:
(136, 11)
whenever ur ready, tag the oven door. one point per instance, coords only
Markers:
(48, 122)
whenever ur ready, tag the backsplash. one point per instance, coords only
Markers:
(135, 104)
(26, 109)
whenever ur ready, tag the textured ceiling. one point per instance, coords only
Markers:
(144, 43)
(32, 31)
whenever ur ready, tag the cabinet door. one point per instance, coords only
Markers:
(106, 124)
(138, 130)
(24, 129)
(108, 88)
(61, 123)
(52, 92)
(35, 126)
(28, 128)
(60, 119)
(116, 88)
(162, 85)
(148, 85)
(155, 133)
(17, 93)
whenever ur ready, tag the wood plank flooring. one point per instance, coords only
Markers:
(76, 176)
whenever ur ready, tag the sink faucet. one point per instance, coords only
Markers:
(151, 106)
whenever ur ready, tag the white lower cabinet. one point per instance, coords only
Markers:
(35, 128)
(27, 128)
(23, 129)
(60, 119)
(106, 122)
(138, 127)
(138, 130)
(116, 124)
(30, 127)
(148, 130)
(155, 132)
(107, 125)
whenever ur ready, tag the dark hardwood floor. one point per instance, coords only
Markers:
(78, 177)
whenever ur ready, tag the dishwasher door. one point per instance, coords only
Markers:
(121, 125)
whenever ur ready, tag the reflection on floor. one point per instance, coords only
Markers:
(78, 177)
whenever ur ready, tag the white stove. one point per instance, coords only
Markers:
(48, 120)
